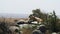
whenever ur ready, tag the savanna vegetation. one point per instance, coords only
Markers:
(51, 21)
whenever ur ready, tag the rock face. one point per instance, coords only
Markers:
(14, 29)
(40, 30)
(37, 32)
(54, 33)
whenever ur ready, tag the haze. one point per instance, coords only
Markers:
(26, 6)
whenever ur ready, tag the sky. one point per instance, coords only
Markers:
(26, 6)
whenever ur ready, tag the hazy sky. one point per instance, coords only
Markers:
(26, 6)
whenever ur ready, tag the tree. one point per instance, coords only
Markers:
(52, 21)
(54, 18)
(38, 13)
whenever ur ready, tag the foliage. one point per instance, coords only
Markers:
(4, 27)
(50, 20)
(38, 13)
(16, 30)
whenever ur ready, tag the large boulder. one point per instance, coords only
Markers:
(37, 32)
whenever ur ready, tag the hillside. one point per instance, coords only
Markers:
(14, 15)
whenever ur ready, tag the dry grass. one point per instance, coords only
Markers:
(10, 21)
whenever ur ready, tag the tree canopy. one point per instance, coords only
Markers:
(49, 19)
